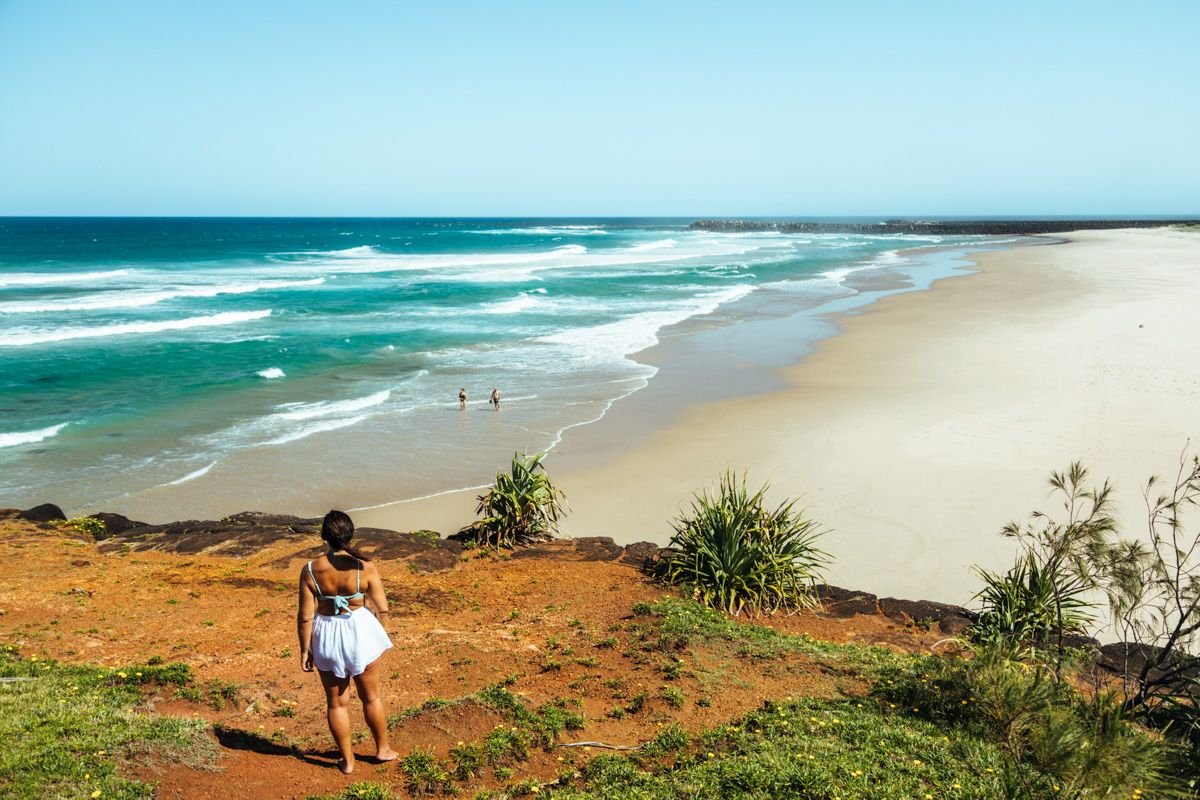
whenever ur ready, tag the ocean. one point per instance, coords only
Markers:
(174, 368)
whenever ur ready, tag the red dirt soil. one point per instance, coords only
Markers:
(531, 620)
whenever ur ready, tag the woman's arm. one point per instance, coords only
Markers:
(306, 606)
(375, 591)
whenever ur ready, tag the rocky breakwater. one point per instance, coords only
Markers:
(935, 227)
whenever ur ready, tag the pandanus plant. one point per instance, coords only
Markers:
(736, 554)
(521, 508)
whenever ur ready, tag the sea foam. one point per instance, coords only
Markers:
(191, 475)
(301, 411)
(30, 437)
(141, 299)
(51, 278)
(22, 338)
(271, 373)
(640, 331)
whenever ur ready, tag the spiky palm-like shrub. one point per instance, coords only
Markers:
(735, 554)
(522, 507)
(1029, 605)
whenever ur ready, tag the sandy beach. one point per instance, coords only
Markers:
(929, 421)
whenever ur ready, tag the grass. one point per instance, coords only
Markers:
(821, 750)
(363, 790)
(673, 624)
(65, 729)
(928, 730)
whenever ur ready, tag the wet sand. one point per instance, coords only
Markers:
(928, 422)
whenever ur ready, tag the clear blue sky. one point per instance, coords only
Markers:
(260, 107)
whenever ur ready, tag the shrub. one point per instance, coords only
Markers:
(521, 508)
(424, 772)
(735, 554)
(89, 526)
(1078, 745)
(1030, 604)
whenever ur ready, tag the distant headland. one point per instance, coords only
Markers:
(951, 227)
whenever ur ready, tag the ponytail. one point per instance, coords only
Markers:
(337, 529)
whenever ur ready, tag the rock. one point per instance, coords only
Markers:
(640, 554)
(954, 626)
(845, 603)
(237, 536)
(250, 532)
(598, 548)
(586, 548)
(116, 523)
(46, 512)
(959, 227)
(920, 611)
(1122, 656)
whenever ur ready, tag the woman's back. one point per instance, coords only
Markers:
(339, 575)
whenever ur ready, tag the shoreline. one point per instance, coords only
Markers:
(931, 419)
(698, 346)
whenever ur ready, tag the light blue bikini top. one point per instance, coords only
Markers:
(341, 602)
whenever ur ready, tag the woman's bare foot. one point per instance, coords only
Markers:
(346, 766)
(386, 754)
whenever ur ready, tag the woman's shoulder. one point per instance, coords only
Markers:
(318, 563)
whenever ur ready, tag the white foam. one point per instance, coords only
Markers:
(191, 475)
(355, 252)
(544, 230)
(141, 299)
(271, 373)
(520, 303)
(304, 431)
(50, 278)
(30, 437)
(301, 411)
(661, 244)
(640, 331)
(26, 337)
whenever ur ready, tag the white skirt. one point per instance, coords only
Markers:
(346, 644)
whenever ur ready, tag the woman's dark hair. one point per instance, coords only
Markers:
(337, 529)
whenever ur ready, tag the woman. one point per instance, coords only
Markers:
(341, 638)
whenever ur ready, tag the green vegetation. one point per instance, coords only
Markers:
(1031, 603)
(521, 508)
(1153, 592)
(363, 790)
(215, 693)
(66, 729)
(90, 526)
(734, 554)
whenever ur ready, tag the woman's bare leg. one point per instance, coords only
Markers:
(337, 701)
(374, 710)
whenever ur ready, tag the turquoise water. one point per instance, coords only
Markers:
(172, 367)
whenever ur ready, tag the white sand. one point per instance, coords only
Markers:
(935, 417)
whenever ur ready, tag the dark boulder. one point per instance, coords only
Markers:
(640, 555)
(46, 512)
(1129, 658)
(237, 536)
(597, 548)
(845, 603)
(116, 523)
(920, 611)
(954, 626)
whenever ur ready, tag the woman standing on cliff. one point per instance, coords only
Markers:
(341, 638)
